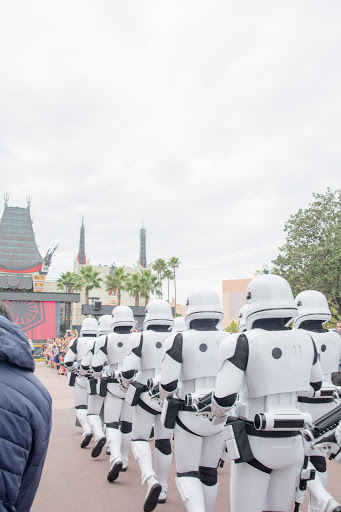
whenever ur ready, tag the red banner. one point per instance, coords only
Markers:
(37, 319)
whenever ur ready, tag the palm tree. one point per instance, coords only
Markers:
(149, 284)
(174, 263)
(66, 280)
(168, 274)
(87, 279)
(133, 287)
(159, 266)
(118, 280)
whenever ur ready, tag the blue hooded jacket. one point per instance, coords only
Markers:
(25, 421)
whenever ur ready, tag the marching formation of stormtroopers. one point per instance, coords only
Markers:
(255, 397)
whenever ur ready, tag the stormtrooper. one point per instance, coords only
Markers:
(144, 354)
(72, 361)
(95, 401)
(267, 365)
(242, 318)
(107, 363)
(313, 312)
(179, 324)
(189, 370)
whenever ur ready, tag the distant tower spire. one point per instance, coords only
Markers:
(6, 197)
(81, 253)
(143, 252)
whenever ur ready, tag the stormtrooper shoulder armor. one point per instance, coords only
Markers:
(101, 343)
(73, 345)
(228, 348)
(134, 344)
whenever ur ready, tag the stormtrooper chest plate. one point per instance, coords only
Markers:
(279, 362)
(152, 349)
(328, 345)
(200, 352)
(116, 347)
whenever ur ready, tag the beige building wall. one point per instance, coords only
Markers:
(234, 297)
(180, 308)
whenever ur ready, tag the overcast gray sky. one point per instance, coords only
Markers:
(213, 121)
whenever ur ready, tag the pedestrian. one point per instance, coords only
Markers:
(25, 419)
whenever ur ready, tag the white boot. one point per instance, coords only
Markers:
(320, 499)
(143, 455)
(125, 447)
(162, 466)
(210, 496)
(153, 492)
(114, 443)
(82, 416)
(191, 493)
(95, 423)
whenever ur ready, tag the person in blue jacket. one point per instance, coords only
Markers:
(25, 419)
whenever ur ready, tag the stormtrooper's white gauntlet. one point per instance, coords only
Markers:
(218, 413)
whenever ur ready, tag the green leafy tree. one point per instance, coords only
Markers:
(168, 274)
(310, 259)
(149, 284)
(159, 266)
(174, 263)
(232, 327)
(117, 280)
(65, 280)
(133, 286)
(87, 279)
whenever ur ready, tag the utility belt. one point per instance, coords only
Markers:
(71, 378)
(319, 400)
(92, 386)
(103, 385)
(276, 423)
(326, 395)
(134, 392)
(170, 410)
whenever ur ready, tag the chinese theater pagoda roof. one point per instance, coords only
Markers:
(18, 248)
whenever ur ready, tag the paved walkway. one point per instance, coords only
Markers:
(73, 481)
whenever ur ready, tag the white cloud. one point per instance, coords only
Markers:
(213, 122)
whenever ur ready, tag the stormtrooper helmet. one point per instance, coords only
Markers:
(158, 312)
(242, 318)
(89, 327)
(179, 324)
(122, 316)
(203, 304)
(269, 296)
(312, 305)
(104, 324)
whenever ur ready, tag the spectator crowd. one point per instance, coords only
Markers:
(54, 352)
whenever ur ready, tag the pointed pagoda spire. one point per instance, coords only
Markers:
(143, 248)
(18, 248)
(81, 257)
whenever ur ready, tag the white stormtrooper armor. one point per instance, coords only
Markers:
(144, 354)
(313, 312)
(191, 359)
(267, 365)
(242, 318)
(179, 324)
(72, 361)
(95, 401)
(107, 363)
